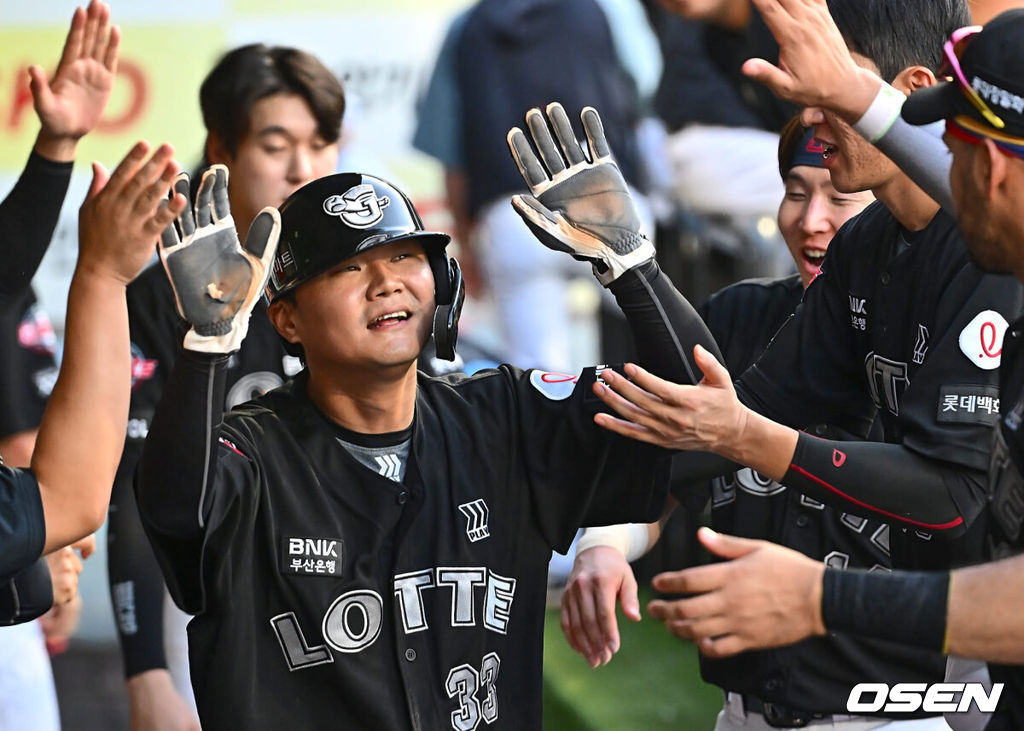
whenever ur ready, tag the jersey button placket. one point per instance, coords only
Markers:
(410, 654)
(402, 497)
(886, 278)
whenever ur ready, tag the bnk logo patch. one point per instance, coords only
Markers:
(311, 556)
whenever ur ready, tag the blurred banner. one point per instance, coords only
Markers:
(383, 52)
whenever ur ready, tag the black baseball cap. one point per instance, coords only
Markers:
(993, 64)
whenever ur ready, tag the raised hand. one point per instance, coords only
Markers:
(121, 219)
(216, 280)
(70, 105)
(578, 206)
(815, 68)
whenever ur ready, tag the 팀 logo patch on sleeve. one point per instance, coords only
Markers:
(555, 386)
(982, 340)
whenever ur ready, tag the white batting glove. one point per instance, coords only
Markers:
(578, 206)
(216, 281)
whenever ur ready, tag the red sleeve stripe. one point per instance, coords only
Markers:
(929, 526)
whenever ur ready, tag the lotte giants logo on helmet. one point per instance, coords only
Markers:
(359, 206)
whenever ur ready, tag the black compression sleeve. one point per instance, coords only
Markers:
(665, 326)
(878, 603)
(28, 217)
(874, 479)
(179, 458)
(136, 584)
(26, 595)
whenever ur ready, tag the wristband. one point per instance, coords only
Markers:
(884, 110)
(630, 539)
(878, 603)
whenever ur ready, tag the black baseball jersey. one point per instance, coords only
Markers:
(28, 366)
(330, 596)
(901, 323)
(1005, 514)
(814, 676)
(22, 529)
(136, 585)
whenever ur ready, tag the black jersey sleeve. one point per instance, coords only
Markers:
(810, 372)
(135, 582)
(188, 472)
(22, 524)
(665, 327)
(26, 595)
(28, 217)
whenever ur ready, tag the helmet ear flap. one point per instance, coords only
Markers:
(450, 294)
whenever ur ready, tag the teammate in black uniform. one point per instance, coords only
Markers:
(327, 593)
(68, 107)
(273, 116)
(972, 612)
(811, 680)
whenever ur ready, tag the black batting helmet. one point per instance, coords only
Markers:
(336, 217)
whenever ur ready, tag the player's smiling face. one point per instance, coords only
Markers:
(281, 152)
(373, 310)
(810, 214)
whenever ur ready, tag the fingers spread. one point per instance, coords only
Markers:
(221, 209)
(204, 199)
(73, 43)
(125, 169)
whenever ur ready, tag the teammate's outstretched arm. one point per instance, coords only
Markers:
(852, 475)
(217, 282)
(118, 226)
(579, 204)
(816, 69)
(601, 577)
(769, 596)
(68, 108)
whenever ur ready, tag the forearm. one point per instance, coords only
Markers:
(879, 480)
(992, 629)
(136, 584)
(83, 428)
(28, 217)
(179, 456)
(877, 604)
(665, 326)
(919, 152)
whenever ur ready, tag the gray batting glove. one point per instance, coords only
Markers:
(217, 281)
(578, 206)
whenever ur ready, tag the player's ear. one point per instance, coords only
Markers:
(282, 317)
(913, 78)
(216, 150)
(990, 167)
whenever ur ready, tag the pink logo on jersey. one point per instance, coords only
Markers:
(982, 340)
(36, 333)
(838, 458)
(142, 367)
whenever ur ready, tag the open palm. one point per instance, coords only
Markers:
(71, 105)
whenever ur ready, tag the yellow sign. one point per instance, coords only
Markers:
(156, 94)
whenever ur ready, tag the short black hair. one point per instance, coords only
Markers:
(250, 73)
(789, 139)
(896, 34)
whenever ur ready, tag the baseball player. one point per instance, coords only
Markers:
(64, 496)
(329, 592)
(972, 612)
(898, 321)
(809, 682)
(273, 116)
(68, 106)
